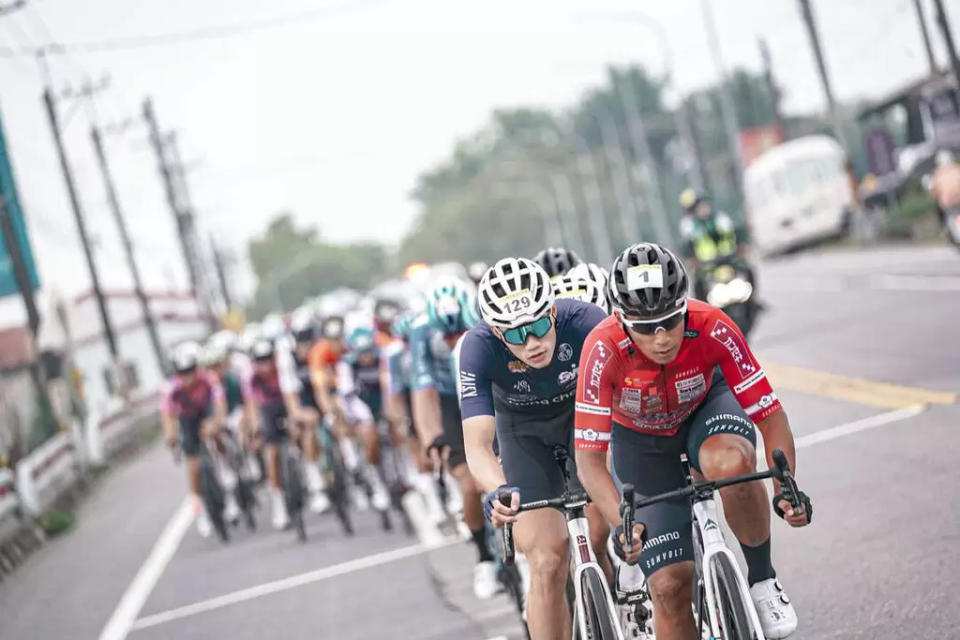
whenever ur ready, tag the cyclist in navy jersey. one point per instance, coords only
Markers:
(518, 377)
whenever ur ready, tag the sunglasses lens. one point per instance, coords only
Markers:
(650, 328)
(518, 335)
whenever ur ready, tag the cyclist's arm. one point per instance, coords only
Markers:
(219, 399)
(592, 422)
(322, 378)
(478, 435)
(474, 388)
(170, 426)
(751, 388)
(776, 432)
(251, 408)
(426, 398)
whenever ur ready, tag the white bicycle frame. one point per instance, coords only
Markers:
(585, 560)
(707, 518)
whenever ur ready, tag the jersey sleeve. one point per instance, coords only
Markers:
(287, 371)
(422, 374)
(474, 386)
(740, 368)
(167, 405)
(594, 402)
(345, 381)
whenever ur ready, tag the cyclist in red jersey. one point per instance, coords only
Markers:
(663, 376)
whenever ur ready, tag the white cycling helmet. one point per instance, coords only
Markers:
(577, 287)
(185, 357)
(212, 354)
(273, 327)
(250, 334)
(592, 271)
(514, 292)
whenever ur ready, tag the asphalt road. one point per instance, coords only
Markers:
(880, 560)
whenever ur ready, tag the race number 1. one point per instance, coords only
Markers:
(645, 276)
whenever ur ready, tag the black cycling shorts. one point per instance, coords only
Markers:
(527, 442)
(452, 424)
(271, 422)
(652, 464)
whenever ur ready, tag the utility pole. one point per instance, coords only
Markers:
(171, 173)
(699, 176)
(772, 85)
(220, 264)
(727, 110)
(926, 38)
(807, 12)
(948, 40)
(114, 201)
(49, 102)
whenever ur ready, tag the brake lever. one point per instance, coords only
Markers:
(626, 515)
(788, 485)
(506, 498)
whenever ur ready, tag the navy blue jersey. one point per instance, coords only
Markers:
(489, 373)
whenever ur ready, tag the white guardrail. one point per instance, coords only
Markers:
(45, 474)
(10, 514)
(107, 434)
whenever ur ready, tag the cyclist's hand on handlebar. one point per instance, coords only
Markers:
(619, 546)
(783, 508)
(173, 440)
(498, 513)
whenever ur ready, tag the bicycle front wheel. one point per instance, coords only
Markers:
(730, 608)
(600, 626)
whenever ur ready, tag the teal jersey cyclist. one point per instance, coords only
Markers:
(451, 311)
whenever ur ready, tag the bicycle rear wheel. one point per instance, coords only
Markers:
(212, 493)
(338, 488)
(600, 626)
(730, 608)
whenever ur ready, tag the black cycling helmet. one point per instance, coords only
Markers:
(557, 261)
(647, 281)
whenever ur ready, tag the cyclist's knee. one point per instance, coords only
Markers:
(670, 589)
(724, 456)
(548, 561)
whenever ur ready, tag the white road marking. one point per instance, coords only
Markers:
(285, 584)
(871, 422)
(146, 579)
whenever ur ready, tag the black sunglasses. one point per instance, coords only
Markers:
(648, 328)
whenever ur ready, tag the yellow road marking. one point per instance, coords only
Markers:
(871, 392)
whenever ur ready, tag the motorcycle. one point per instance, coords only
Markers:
(727, 283)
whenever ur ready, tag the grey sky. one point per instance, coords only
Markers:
(333, 116)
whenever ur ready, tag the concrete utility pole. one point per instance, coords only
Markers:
(51, 108)
(220, 263)
(114, 201)
(171, 173)
(948, 39)
(807, 12)
(772, 86)
(925, 34)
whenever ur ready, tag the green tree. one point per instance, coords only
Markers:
(292, 264)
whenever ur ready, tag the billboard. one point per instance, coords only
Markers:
(8, 191)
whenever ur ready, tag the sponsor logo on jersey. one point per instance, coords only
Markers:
(689, 389)
(734, 344)
(517, 366)
(663, 537)
(766, 401)
(691, 333)
(468, 385)
(522, 386)
(749, 382)
(599, 356)
(630, 400)
(564, 352)
(589, 408)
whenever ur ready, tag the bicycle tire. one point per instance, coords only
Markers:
(337, 489)
(293, 491)
(730, 608)
(599, 624)
(212, 494)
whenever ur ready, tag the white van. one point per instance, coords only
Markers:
(797, 192)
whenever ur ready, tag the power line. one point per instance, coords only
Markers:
(193, 35)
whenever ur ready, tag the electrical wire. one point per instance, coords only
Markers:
(199, 34)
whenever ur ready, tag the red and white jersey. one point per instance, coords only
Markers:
(617, 382)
